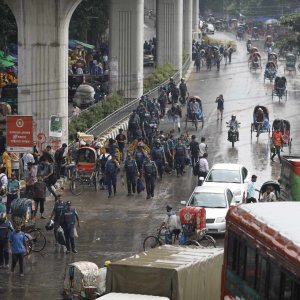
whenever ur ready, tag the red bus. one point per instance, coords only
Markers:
(262, 252)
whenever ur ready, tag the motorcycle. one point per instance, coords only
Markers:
(232, 134)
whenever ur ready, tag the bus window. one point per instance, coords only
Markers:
(232, 251)
(261, 274)
(296, 291)
(274, 282)
(286, 287)
(241, 259)
(250, 266)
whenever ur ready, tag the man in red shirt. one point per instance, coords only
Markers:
(277, 142)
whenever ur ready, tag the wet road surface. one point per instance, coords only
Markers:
(115, 228)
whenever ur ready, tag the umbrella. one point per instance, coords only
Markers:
(272, 22)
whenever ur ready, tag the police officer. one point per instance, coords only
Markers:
(5, 229)
(139, 156)
(180, 156)
(150, 174)
(57, 214)
(111, 169)
(69, 218)
(158, 156)
(131, 169)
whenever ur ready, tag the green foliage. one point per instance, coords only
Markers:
(89, 21)
(8, 26)
(94, 115)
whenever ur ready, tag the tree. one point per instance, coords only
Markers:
(8, 26)
(89, 21)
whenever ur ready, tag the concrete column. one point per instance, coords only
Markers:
(187, 26)
(126, 34)
(195, 15)
(150, 5)
(169, 32)
(43, 28)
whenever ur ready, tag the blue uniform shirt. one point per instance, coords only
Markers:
(17, 240)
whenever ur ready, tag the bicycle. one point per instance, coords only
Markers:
(35, 239)
(201, 238)
(152, 241)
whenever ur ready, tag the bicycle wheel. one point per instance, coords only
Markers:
(191, 243)
(38, 240)
(151, 242)
(76, 186)
(207, 241)
(28, 243)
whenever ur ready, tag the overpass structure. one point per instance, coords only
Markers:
(43, 28)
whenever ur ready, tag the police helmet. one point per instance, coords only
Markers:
(233, 116)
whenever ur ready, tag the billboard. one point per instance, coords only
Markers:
(19, 133)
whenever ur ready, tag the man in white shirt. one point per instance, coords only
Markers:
(27, 158)
(171, 224)
(251, 190)
(202, 147)
(203, 166)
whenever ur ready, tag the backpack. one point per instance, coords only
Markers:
(196, 169)
(110, 168)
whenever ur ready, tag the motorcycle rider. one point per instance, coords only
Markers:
(233, 124)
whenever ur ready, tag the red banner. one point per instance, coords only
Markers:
(19, 133)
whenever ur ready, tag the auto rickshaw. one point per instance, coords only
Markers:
(290, 63)
(290, 178)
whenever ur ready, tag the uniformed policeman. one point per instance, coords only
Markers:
(69, 218)
(57, 214)
(140, 155)
(5, 229)
(131, 170)
(150, 174)
(180, 156)
(111, 169)
(158, 157)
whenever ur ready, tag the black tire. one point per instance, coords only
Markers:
(196, 123)
(28, 243)
(207, 241)
(232, 143)
(272, 95)
(38, 240)
(191, 243)
(76, 186)
(151, 242)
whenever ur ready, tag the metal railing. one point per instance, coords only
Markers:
(124, 112)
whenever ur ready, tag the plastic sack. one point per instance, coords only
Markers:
(140, 186)
(60, 236)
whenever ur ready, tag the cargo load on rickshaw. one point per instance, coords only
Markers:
(192, 219)
(81, 281)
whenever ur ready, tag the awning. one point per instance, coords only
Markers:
(9, 57)
(83, 44)
(5, 63)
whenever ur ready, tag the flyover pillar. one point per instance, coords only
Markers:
(187, 26)
(126, 34)
(169, 32)
(43, 28)
(195, 15)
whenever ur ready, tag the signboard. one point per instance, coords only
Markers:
(19, 133)
(55, 126)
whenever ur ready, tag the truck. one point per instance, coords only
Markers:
(174, 272)
(290, 178)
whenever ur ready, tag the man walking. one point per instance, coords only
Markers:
(203, 166)
(277, 141)
(194, 148)
(150, 174)
(60, 158)
(251, 190)
(202, 147)
(121, 139)
(57, 214)
(131, 169)
(70, 216)
(180, 156)
(111, 169)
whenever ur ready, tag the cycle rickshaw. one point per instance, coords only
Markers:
(194, 117)
(87, 172)
(261, 122)
(270, 71)
(255, 61)
(290, 63)
(275, 188)
(254, 33)
(23, 216)
(240, 33)
(273, 58)
(279, 88)
(285, 129)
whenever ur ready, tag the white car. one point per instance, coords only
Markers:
(216, 201)
(233, 176)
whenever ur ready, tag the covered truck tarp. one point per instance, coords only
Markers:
(121, 296)
(178, 273)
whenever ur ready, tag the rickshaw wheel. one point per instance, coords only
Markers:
(76, 186)
(207, 241)
(37, 239)
(96, 182)
(192, 243)
(202, 123)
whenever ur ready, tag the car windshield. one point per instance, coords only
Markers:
(227, 176)
(208, 200)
